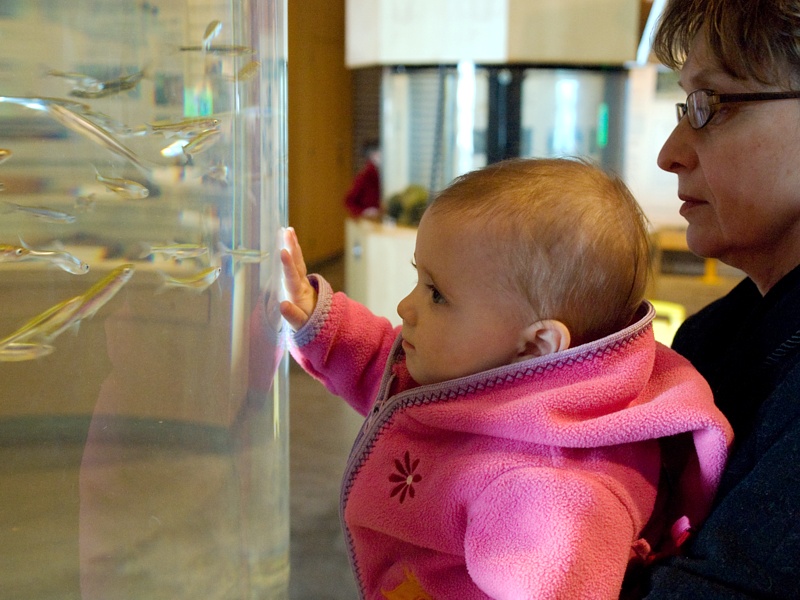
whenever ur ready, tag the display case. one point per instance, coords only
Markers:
(439, 122)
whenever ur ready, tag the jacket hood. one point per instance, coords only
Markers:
(623, 388)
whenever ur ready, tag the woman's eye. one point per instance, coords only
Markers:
(720, 113)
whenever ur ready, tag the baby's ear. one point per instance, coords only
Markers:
(542, 338)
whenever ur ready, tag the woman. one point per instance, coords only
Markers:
(736, 150)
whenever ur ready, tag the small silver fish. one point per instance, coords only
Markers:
(9, 253)
(126, 188)
(110, 87)
(4, 155)
(45, 214)
(41, 327)
(202, 142)
(185, 127)
(211, 32)
(198, 282)
(94, 132)
(68, 314)
(176, 251)
(99, 294)
(245, 255)
(247, 71)
(19, 351)
(220, 49)
(79, 80)
(60, 258)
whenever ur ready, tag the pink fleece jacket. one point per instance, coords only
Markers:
(533, 480)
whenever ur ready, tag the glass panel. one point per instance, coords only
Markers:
(433, 128)
(573, 112)
(439, 122)
(143, 423)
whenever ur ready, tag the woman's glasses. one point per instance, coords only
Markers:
(701, 105)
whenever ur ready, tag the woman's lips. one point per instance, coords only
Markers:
(689, 203)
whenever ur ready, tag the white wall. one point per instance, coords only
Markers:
(412, 32)
(650, 118)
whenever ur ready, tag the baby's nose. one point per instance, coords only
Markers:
(405, 310)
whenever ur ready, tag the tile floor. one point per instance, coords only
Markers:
(322, 429)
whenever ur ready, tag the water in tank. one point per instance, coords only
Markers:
(143, 423)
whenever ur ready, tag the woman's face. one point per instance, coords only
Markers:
(739, 176)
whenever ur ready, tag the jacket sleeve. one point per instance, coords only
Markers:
(547, 533)
(344, 346)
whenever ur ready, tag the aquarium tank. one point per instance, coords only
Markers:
(143, 405)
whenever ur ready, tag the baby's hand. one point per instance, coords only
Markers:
(302, 295)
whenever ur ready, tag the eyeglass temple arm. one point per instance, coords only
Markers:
(752, 97)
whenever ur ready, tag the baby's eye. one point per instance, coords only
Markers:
(436, 297)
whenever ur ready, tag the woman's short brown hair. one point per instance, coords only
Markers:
(757, 39)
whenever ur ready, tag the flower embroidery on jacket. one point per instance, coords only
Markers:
(405, 478)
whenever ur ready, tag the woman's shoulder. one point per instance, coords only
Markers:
(716, 323)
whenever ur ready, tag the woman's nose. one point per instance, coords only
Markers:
(677, 151)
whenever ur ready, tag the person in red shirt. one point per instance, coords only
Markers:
(364, 197)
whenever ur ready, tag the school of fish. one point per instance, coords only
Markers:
(36, 337)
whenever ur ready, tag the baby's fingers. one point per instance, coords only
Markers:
(293, 315)
(300, 293)
(294, 280)
(293, 246)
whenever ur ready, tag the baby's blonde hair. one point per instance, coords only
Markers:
(573, 239)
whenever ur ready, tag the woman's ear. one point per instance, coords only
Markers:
(542, 338)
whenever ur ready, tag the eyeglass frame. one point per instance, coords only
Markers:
(714, 100)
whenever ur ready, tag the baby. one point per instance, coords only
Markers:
(513, 442)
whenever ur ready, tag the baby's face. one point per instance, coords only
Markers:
(459, 319)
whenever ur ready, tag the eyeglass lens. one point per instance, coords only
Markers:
(698, 108)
